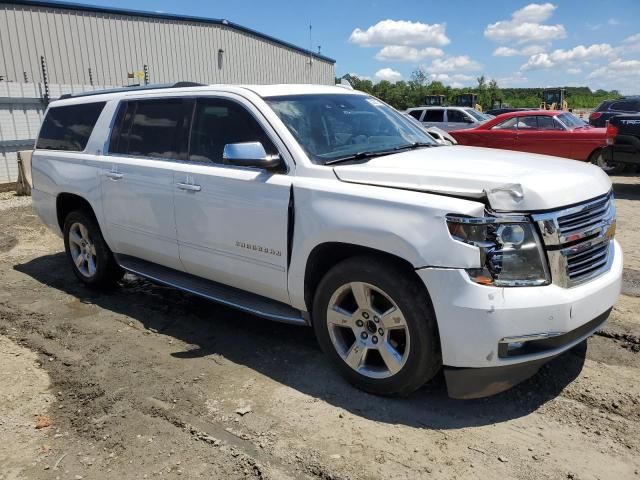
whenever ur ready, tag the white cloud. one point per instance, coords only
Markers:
(617, 67)
(462, 63)
(579, 53)
(537, 61)
(574, 71)
(388, 74)
(445, 77)
(633, 39)
(400, 32)
(514, 52)
(402, 53)
(631, 44)
(534, 13)
(613, 22)
(512, 80)
(525, 26)
(619, 74)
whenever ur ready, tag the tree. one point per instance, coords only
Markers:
(419, 77)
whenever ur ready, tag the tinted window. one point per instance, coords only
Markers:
(436, 115)
(528, 123)
(152, 128)
(69, 128)
(218, 122)
(416, 114)
(546, 123)
(457, 116)
(625, 106)
(506, 125)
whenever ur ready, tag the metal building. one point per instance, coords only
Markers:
(51, 48)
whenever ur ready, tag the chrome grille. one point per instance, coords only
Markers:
(587, 261)
(578, 240)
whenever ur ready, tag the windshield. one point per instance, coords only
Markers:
(570, 120)
(335, 126)
(477, 115)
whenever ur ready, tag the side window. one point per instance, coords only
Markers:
(546, 123)
(218, 122)
(528, 123)
(69, 128)
(152, 128)
(416, 114)
(434, 115)
(624, 106)
(456, 116)
(509, 124)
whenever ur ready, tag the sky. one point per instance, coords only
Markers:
(518, 43)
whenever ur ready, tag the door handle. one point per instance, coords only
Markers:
(189, 187)
(114, 175)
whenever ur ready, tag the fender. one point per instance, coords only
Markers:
(406, 224)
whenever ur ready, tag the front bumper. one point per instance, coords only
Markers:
(473, 319)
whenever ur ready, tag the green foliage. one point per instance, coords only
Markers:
(403, 95)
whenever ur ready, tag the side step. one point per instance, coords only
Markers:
(229, 296)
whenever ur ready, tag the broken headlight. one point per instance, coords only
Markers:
(511, 254)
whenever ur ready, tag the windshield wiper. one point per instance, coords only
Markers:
(414, 145)
(378, 153)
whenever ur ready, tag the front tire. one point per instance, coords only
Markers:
(91, 259)
(376, 324)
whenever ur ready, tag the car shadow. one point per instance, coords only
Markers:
(626, 191)
(290, 355)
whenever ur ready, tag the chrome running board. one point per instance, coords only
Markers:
(217, 292)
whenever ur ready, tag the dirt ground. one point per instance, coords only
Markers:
(148, 382)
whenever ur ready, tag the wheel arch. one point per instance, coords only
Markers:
(69, 202)
(326, 255)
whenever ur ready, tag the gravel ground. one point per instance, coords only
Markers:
(147, 382)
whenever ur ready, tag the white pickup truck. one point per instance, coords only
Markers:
(324, 206)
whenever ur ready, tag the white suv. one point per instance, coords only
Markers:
(323, 206)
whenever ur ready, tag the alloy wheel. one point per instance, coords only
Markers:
(83, 250)
(368, 330)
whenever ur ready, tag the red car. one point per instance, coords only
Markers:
(537, 131)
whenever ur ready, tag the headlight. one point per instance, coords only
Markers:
(511, 254)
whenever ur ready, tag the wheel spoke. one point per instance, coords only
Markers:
(75, 238)
(339, 317)
(79, 260)
(84, 232)
(91, 265)
(392, 359)
(362, 294)
(356, 355)
(393, 318)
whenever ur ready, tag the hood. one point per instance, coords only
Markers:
(508, 180)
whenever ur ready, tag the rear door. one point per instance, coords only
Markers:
(148, 137)
(433, 117)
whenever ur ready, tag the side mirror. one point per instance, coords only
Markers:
(249, 154)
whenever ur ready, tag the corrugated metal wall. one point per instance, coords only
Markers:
(110, 45)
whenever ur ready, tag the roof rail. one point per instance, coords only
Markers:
(155, 86)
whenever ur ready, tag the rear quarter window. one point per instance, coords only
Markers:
(69, 127)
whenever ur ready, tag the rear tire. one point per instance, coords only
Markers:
(91, 259)
(376, 324)
(610, 168)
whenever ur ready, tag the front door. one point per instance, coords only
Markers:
(232, 221)
(137, 179)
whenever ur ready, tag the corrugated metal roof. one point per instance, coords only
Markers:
(167, 16)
